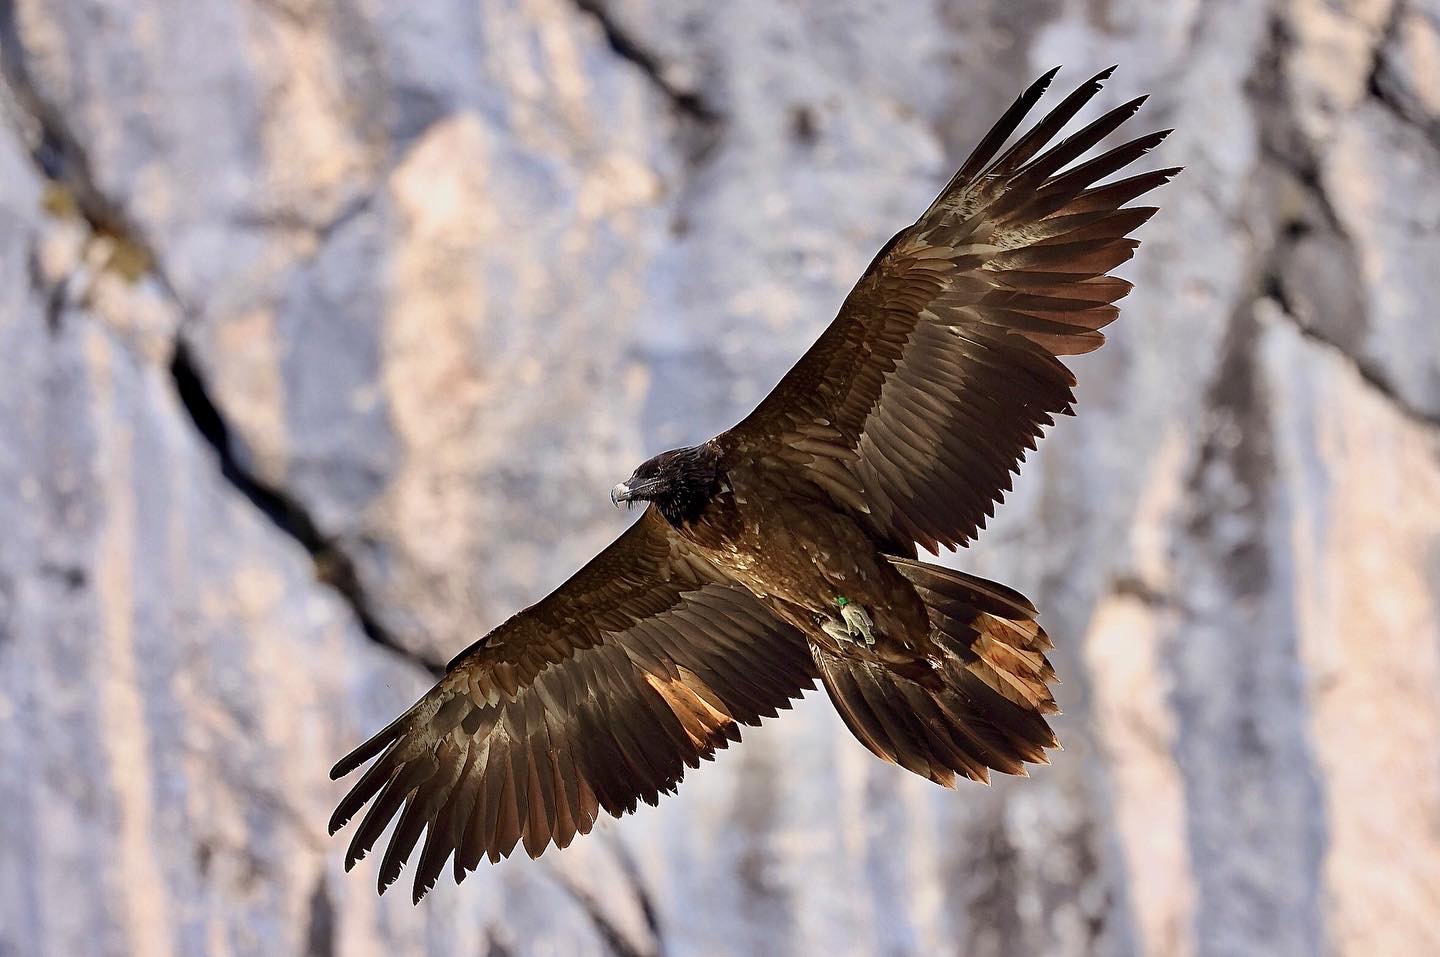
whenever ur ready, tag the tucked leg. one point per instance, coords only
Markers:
(854, 624)
(859, 623)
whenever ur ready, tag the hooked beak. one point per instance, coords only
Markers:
(620, 493)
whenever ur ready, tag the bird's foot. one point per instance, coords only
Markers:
(859, 621)
(855, 624)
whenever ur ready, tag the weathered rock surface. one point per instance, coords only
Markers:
(324, 325)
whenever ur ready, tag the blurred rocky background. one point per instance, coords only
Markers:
(326, 324)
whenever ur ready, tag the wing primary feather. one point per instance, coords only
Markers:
(443, 836)
(519, 769)
(1009, 121)
(373, 745)
(508, 811)
(1117, 194)
(1053, 122)
(1073, 181)
(409, 776)
(370, 783)
(541, 787)
(419, 814)
(1075, 145)
(480, 833)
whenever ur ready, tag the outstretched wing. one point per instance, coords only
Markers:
(598, 696)
(920, 399)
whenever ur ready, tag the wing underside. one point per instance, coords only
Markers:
(552, 718)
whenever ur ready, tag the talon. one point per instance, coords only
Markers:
(854, 625)
(858, 621)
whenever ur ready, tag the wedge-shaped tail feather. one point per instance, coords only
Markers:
(980, 707)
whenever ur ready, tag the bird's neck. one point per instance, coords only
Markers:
(686, 502)
(696, 481)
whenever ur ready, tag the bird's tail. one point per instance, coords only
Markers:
(980, 706)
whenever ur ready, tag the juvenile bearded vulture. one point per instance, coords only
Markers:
(784, 549)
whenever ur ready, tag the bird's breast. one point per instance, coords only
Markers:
(789, 549)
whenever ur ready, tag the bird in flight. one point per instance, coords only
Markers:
(785, 549)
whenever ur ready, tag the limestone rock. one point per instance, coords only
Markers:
(325, 326)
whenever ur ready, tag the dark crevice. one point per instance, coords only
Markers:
(1284, 146)
(54, 294)
(616, 941)
(1369, 372)
(332, 565)
(687, 103)
(1134, 587)
(495, 944)
(643, 897)
(1309, 264)
(284, 220)
(63, 161)
(60, 158)
(1389, 91)
(1311, 268)
(55, 299)
(320, 932)
(1272, 286)
(1376, 83)
(700, 124)
(1236, 443)
(804, 126)
(1237, 450)
(71, 578)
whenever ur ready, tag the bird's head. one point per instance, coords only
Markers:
(679, 482)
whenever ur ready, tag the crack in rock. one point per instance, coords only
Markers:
(1309, 262)
(54, 293)
(332, 565)
(1369, 372)
(649, 910)
(495, 943)
(320, 930)
(1388, 89)
(616, 941)
(1133, 586)
(62, 160)
(321, 233)
(1234, 469)
(60, 157)
(687, 103)
(700, 125)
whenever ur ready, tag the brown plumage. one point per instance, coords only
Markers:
(740, 583)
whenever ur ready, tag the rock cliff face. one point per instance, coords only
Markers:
(325, 325)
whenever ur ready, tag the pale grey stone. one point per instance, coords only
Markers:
(443, 272)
